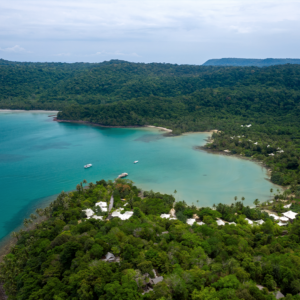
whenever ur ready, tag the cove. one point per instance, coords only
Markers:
(39, 158)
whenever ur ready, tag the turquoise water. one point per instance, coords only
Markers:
(39, 158)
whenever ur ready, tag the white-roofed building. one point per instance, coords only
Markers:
(283, 219)
(249, 221)
(125, 216)
(97, 217)
(220, 222)
(281, 223)
(190, 221)
(291, 215)
(259, 222)
(165, 216)
(200, 223)
(274, 216)
(102, 205)
(89, 212)
(287, 206)
(231, 223)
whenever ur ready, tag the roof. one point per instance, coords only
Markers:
(97, 217)
(260, 222)
(290, 214)
(231, 223)
(165, 216)
(157, 280)
(125, 216)
(89, 212)
(287, 206)
(101, 203)
(274, 216)
(220, 222)
(109, 256)
(281, 224)
(249, 221)
(279, 295)
(200, 223)
(260, 287)
(190, 221)
(284, 219)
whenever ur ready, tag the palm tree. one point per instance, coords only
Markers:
(15, 235)
(33, 217)
(25, 222)
(256, 202)
(40, 211)
(243, 198)
(235, 198)
(84, 181)
(271, 191)
(175, 192)
(78, 188)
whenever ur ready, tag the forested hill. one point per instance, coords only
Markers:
(181, 97)
(57, 85)
(250, 62)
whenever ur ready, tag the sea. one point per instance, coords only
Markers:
(39, 158)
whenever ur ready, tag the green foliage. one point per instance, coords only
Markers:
(62, 257)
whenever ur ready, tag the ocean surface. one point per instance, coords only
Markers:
(39, 158)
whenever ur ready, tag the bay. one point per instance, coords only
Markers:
(39, 158)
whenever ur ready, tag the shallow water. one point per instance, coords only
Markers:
(40, 158)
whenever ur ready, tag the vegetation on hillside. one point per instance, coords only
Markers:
(61, 257)
(181, 97)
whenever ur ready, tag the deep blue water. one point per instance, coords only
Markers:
(39, 158)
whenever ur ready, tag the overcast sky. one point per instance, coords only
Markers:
(183, 32)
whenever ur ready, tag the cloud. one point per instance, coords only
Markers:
(14, 49)
(63, 54)
(155, 29)
(116, 53)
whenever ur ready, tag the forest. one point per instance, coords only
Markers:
(180, 97)
(61, 254)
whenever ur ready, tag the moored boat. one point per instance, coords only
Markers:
(136, 161)
(123, 175)
(87, 166)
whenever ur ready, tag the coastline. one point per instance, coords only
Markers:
(108, 126)
(256, 161)
(33, 111)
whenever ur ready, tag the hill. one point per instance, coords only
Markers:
(250, 62)
(134, 252)
(181, 97)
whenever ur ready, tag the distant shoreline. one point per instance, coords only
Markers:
(34, 110)
(109, 126)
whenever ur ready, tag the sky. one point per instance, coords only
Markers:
(182, 32)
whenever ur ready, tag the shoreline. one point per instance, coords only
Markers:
(34, 111)
(168, 131)
(256, 161)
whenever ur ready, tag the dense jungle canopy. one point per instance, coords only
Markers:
(62, 255)
(181, 97)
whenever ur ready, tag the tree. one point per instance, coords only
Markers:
(256, 202)
(15, 235)
(243, 198)
(235, 198)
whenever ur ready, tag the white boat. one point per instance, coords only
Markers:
(87, 166)
(123, 175)
(136, 161)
